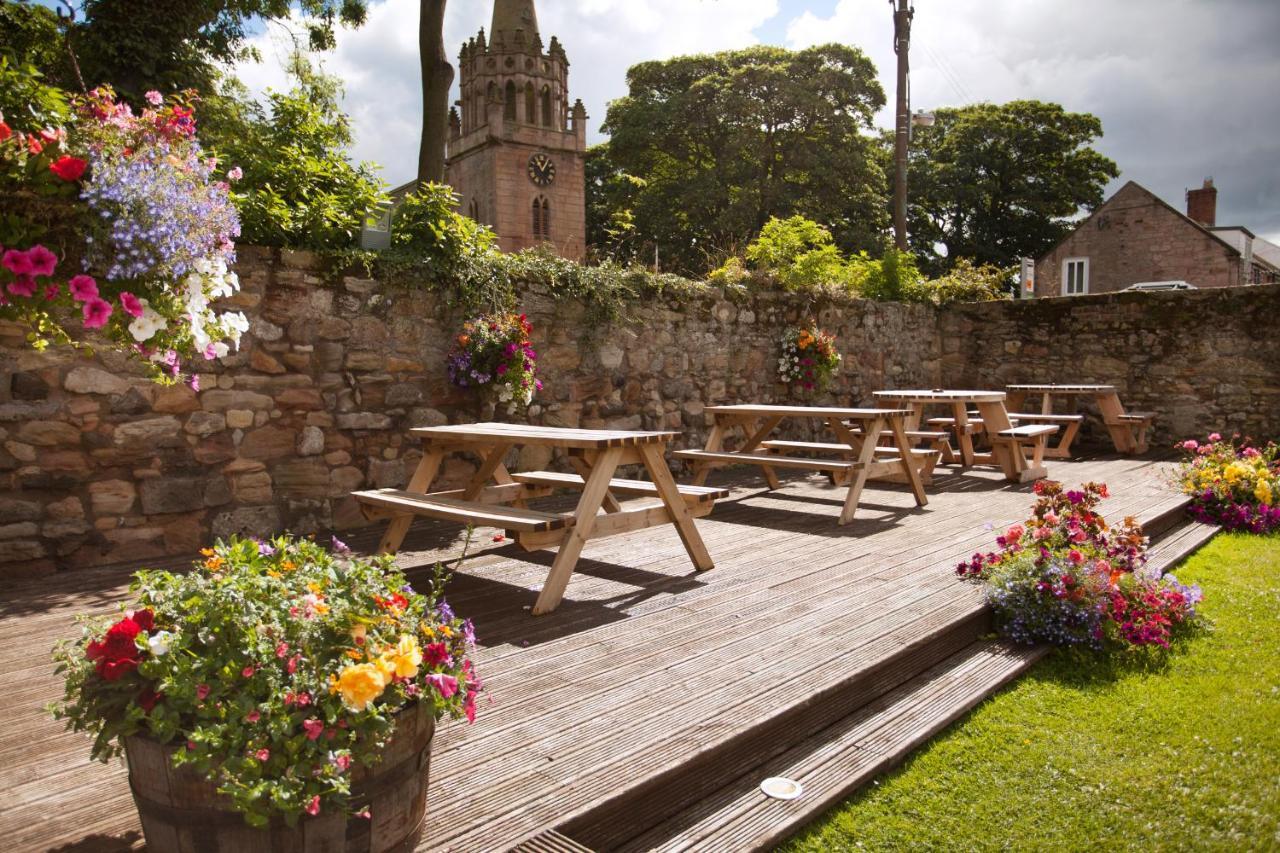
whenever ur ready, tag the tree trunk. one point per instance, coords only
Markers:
(437, 79)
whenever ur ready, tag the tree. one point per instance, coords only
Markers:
(996, 183)
(437, 79)
(136, 45)
(720, 143)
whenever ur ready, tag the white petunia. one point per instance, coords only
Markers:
(159, 642)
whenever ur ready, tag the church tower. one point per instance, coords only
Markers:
(516, 146)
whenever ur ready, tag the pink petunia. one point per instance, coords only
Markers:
(52, 291)
(248, 671)
(17, 262)
(194, 382)
(154, 98)
(1213, 436)
(253, 716)
(83, 287)
(446, 684)
(235, 173)
(262, 754)
(43, 261)
(96, 313)
(131, 304)
(23, 285)
(202, 692)
(313, 727)
(313, 807)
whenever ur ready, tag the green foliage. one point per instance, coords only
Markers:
(968, 282)
(275, 668)
(298, 188)
(1082, 754)
(800, 254)
(30, 34)
(893, 278)
(996, 183)
(137, 45)
(27, 100)
(721, 143)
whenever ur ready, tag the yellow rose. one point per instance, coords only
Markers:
(402, 659)
(361, 684)
(1263, 492)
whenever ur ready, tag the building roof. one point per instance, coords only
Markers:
(512, 15)
(1100, 208)
(1267, 251)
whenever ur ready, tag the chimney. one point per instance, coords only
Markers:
(1202, 204)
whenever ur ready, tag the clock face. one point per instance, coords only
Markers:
(542, 171)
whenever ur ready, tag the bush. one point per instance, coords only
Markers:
(800, 253)
(967, 282)
(298, 188)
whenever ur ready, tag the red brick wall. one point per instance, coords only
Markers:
(1136, 237)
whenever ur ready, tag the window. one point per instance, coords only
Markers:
(1075, 276)
(546, 107)
(473, 210)
(541, 219)
(530, 116)
(509, 111)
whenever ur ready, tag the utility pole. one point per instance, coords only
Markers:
(902, 14)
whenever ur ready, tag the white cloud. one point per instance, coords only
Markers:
(379, 62)
(1184, 88)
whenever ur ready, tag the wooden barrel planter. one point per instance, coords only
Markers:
(182, 812)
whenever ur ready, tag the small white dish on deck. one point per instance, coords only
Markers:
(781, 788)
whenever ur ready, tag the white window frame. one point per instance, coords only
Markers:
(1084, 280)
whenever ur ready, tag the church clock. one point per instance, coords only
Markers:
(542, 170)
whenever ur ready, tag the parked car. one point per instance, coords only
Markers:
(1161, 285)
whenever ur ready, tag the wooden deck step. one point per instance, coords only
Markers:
(834, 762)
(557, 479)
(550, 842)
(1178, 543)
(766, 459)
(397, 501)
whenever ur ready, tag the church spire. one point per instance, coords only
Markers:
(512, 15)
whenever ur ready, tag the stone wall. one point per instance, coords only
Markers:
(1202, 360)
(100, 465)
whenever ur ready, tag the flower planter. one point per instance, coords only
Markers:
(182, 812)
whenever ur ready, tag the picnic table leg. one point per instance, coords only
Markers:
(680, 515)
(398, 527)
(583, 468)
(1062, 450)
(758, 433)
(584, 519)
(1110, 407)
(963, 438)
(1007, 453)
(715, 443)
(490, 462)
(866, 456)
(908, 463)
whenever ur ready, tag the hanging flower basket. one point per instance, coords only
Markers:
(809, 359)
(494, 355)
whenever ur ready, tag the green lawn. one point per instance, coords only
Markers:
(1076, 756)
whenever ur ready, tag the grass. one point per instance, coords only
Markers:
(1111, 755)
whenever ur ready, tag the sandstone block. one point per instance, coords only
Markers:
(364, 420)
(239, 418)
(48, 433)
(163, 495)
(205, 423)
(260, 521)
(112, 497)
(93, 380)
(268, 442)
(311, 441)
(260, 360)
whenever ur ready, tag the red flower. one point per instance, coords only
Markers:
(144, 619)
(34, 146)
(435, 654)
(68, 168)
(5, 132)
(149, 698)
(116, 654)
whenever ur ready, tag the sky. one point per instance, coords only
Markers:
(1185, 89)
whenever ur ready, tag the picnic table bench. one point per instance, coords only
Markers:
(1009, 443)
(495, 497)
(852, 461)
(1128, 430)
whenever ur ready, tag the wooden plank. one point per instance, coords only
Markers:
(423, 475)
(765, 459)
(620, 486)
(462, 511)
(823, 412)
(488, 433)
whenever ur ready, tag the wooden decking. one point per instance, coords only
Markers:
(650, 687)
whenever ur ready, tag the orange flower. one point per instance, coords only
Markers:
(288, 565)
(207, 552)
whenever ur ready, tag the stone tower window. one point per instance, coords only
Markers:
(509, 111)
(530, 117)
(541, 219)
(546, 107)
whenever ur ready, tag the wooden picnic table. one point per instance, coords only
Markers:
(1008, 443)
(1128, 429)
(852, 457)
(495, 497)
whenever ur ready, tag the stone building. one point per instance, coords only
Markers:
(1135, 237)
(517, 147)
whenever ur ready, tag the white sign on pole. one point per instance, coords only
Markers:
(1028, 278)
